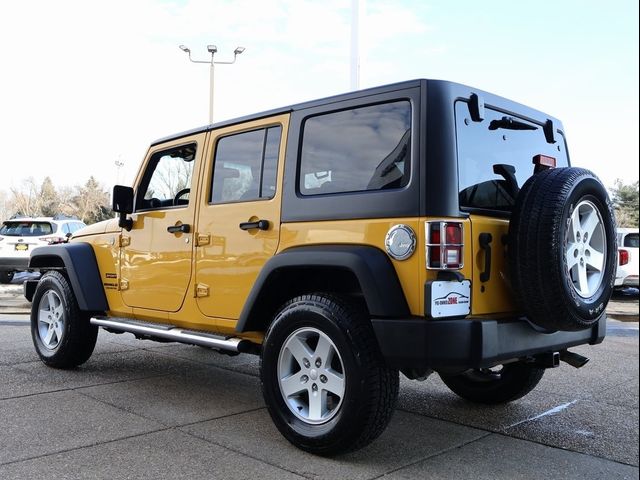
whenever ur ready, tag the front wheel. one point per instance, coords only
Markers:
(6, 277)
(500, 384)
(61, 332)
(323, 378)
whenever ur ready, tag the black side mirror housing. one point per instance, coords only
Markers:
(123, 205)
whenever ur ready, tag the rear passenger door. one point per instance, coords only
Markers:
(239, 215)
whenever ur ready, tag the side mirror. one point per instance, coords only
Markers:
(122, 199)
(123, 204)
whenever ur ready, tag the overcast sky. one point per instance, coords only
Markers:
(84, 84)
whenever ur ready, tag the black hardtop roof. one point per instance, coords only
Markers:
(451, 89)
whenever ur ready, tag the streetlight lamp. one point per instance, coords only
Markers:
(212, 49)
(119, 164)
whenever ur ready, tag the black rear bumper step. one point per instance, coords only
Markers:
(471, 343)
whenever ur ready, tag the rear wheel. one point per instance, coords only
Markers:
(500, 384)
(61, 332)
(323, 377)
(6, 277)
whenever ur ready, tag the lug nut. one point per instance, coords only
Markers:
(323, 379)
(304, 379)
(318, 362)
(314, 387)
(306, 363)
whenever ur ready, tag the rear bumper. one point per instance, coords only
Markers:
(12, 264)
(471, 343)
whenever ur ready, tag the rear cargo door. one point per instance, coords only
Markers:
(496, 152)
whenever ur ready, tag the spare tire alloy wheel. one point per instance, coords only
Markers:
(324, 380)
(562, 249)
(587, 249)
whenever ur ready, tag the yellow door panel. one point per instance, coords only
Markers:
(494, 295)
(155, 262)
(228, 257)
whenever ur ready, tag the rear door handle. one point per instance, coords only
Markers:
(260, 225)
(182, 228)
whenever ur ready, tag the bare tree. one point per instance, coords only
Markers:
(5, 211)
(24, 201)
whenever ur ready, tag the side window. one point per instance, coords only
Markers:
(362, 149)
(246, 166)
(66, 228)
(166, 183)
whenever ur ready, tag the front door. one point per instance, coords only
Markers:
(156, 254)
(239, 220)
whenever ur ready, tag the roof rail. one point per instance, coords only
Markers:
(61, 216)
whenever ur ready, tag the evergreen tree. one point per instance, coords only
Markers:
(625, 202)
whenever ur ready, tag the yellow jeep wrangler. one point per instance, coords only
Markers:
(419, 227)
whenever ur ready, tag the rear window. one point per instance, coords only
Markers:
(27, 229)
(495, 157)
(632, 240)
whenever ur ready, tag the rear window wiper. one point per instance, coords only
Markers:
(510, 123)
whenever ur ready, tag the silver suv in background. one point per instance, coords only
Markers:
(20, 235)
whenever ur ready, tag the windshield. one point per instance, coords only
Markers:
(26, 229)
(495, 157)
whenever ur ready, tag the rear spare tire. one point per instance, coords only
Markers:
(562, 249)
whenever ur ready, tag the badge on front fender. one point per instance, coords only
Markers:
(445, 299)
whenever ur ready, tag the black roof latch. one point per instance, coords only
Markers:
(476, 107)
(549, 131)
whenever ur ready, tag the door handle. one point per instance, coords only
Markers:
(485, 244)
(260, 225)
(183, 228)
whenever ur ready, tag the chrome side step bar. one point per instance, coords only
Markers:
(171, 333)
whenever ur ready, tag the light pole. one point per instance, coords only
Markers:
(212, 49)
(119, 164)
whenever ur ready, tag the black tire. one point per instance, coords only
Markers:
(550, 291)
(494, 386)
(6, 277)
(70, 338)
(370, 387)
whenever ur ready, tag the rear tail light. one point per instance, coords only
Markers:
(444, 245)
(623, 257)
(53, 240)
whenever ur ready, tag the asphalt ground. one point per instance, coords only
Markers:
(140, 409)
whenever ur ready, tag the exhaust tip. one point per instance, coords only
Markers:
(574, 359)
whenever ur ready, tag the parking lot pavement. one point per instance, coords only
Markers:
(139, 409)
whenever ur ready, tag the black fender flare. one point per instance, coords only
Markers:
(370, 265)
(79, 262)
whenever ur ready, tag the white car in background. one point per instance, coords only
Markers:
(18, 236)
(628, 242)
